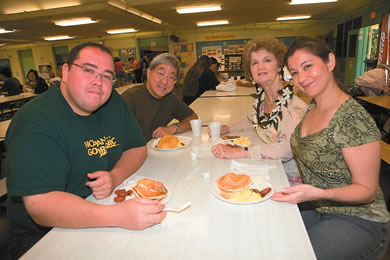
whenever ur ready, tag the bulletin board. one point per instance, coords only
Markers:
(185, 54)
(229, 53)
(219, 49)
(124, 54)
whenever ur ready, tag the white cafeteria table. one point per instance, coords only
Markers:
(222, 109)
(20, 97)
(240, 91)
(209, 229)
(3, 128)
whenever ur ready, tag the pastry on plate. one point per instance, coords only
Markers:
(151, 189)
(231, 183)
(169, 142)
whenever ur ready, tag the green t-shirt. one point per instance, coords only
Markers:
(151, 112)
(50, 148)
(322, 164)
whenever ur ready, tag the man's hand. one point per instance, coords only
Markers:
(139, 213)
(162, 131)
(101, 184)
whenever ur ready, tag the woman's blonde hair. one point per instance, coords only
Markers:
(269, 44)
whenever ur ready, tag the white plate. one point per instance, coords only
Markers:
(258, 182)
(185, 139)
(230, 141)
(134, 181)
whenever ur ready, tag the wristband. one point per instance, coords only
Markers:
(246, 152)
(177, 127)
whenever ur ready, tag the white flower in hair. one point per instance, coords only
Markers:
(286, 74)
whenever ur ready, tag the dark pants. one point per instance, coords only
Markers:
(20, 244)
(335, 236)
(138, 75)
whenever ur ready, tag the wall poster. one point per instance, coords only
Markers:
(184, 52)
(124, 54)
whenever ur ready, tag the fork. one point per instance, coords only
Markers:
(181, 208)
(252, 169)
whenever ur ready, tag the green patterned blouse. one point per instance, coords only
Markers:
(322, 164)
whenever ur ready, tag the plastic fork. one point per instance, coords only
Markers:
(181, 208)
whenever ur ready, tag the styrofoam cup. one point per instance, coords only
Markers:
(196, 126)
(215, 130)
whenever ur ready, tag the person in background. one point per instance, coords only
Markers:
(119, 72)
(137, 70)
(155, 105)
(338, 152)
(67, 145)
(277, 110)
(198, 79)
(36, 83)
(11, 85)
(214, 66)
(57, 79)
(50, 72)
(145, 66)
(375, 82)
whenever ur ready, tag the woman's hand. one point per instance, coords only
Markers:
(228, 152)
(298, 193)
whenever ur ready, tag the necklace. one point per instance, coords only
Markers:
(271, 120)
(267, 101)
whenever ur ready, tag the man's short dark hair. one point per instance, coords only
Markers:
(74, 52)
(214, 61)
(166, 59)
(6, 72)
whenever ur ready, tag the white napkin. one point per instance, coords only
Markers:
(226, 86)
(256, 167)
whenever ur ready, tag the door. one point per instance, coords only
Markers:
(27, 61)
(351, 59)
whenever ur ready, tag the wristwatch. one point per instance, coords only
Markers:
(177, 127)
(246, 152)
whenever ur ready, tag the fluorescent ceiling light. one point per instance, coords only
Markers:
(198, 9)
(30, 6)
(302, 2)
(2, 30)
(127, 8)
(75, 21)
(210, 23)
(59, 37)
(124, 30)
(300, 17)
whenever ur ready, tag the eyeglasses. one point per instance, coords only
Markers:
(171, 79)
(93, 74)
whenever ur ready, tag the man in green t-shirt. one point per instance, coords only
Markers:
(155, 105)
(76, 139)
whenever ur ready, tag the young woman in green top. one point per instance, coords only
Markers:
(336, 146)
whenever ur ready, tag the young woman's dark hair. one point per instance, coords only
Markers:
(312, 45)
(191, 80)
(41, 85)
(316, 47)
